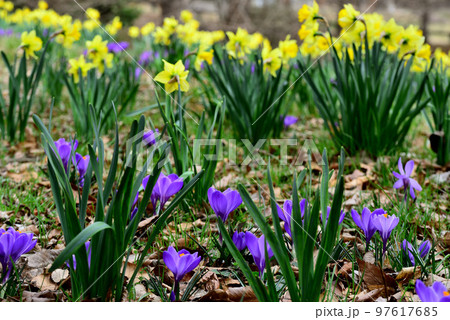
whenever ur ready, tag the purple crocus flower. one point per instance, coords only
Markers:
(365, 222)
(117, 47)
(341, 218)
(187, 63)
(239, 240)
(424, 248)
(285, 214)
(180, 263)
(82, 163)
(87, 245)
(224, 203)
(146, 57)
(256, 246)
(384, 225)
(436, 293)
(150, 137)
(252, 68)
(13, 244)
(289, 121)
(404, 178)
(137, 72)
(165, 187)
(64, 150)
(408, 248)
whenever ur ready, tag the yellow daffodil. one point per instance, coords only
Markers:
(42, 5)
(8, 6)
(186, 16)
(217, 36)
(308, 29)
(271, 60)
(288, 49)
(30, 43)
(114, 26)
(147, 29)
(162, 36)
(347, 16)
(133, 32)
(307, 13)
(203, 55)
(97, 51)
(238, 44)
(442, 59)
(92, 14)
(173, 76)
(70, 32)
(79, 64)
(186, 34)
(91, 25)
(255, 40)
(389, 35)
(410, 40)
(170, 24)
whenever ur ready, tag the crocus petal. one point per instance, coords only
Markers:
(400, 166)
(425, 294)
(397, 175)
(357, 219)
(415, 184)
(411, 192)
(252, 242)
(409, 166)
(398, 184)
(234, 200)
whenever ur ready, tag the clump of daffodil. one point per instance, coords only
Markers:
(170, 24)
(114, 26)
(93, 19)
(316, 45)
(133, 32)
(8, 6)
(187, 33)
(162, 36)
(147, 29)
(288, 49)
(271, 59)
(238, 43)
(79, 64)
(30, 43)
(70, 31)
(308, 16)
(390, 32)
(173, 77)
(97, 52)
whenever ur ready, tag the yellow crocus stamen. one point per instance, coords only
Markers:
(446, 293)
(385, 215)
(181, 254)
